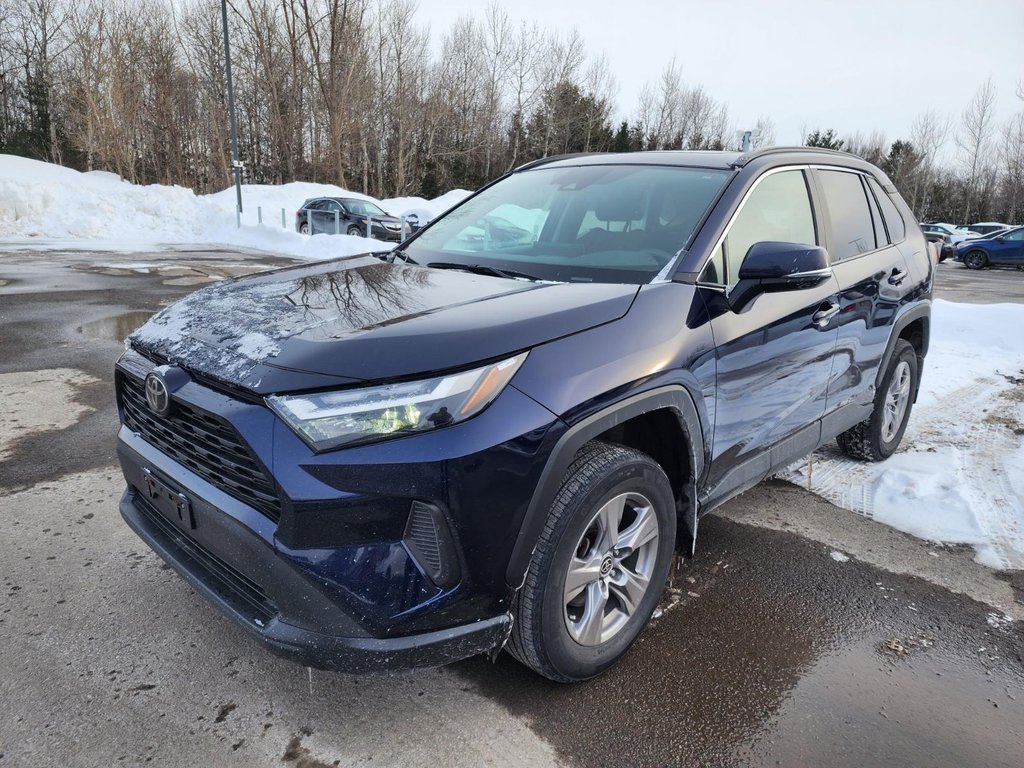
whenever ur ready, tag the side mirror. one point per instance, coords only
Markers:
(1000, 238)
(771, 266)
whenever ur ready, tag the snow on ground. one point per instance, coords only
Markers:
(46, 205)
(958, 476)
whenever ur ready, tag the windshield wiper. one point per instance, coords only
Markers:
(483, 269)
(390, 256)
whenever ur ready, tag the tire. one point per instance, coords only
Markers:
(877, 438)
(541, 638)
(354, 231)
(975, 260)
(304, 228)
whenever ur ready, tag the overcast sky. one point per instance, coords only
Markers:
(869, 64)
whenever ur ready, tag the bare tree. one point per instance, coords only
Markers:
(764, 130)
(928, 135)
(973, 140)
(1011, 156)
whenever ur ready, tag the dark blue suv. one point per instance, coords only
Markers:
(497, 435)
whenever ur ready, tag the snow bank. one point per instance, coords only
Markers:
(959, 474)
(46, 204)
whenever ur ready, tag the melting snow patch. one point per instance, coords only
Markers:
(839, 557)
(959, 474)
(998, 621)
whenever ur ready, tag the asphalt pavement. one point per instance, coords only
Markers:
(800, 634)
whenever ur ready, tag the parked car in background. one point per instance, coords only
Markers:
(349, 216)
(956, 234)
(416, 219)
(944, 247)
(1005, 248)
(987, 228)
(490, 437)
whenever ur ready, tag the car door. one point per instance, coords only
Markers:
(774, 357)
(1007, 250)
(1015, 247)
(329, 222)
(314, 216)
(863, 230)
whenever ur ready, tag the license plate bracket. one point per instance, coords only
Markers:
(171, 503)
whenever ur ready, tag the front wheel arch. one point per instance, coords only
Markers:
(674, 398)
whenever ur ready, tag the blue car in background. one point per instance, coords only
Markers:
(1005, 249)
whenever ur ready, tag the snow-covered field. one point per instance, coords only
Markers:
(959, 474)
(47, 206)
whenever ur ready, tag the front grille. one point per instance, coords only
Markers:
(207, 445)
(245, 595)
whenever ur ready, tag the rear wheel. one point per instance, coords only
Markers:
(354, 231)
(976, 260)
(304, 228)
(600, 566)
(877, 437)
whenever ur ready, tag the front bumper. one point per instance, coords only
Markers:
(385, 234)
(250, 607)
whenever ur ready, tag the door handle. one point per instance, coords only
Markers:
(897, 276)
(825, 313)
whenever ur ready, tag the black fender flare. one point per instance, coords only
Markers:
(675, 398)
(919, 311)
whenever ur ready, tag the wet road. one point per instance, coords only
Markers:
(954, 282)
(774, 648)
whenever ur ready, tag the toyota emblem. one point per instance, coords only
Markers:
(157, 395)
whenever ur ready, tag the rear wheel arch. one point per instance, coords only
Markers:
(648, 422)
(913, 326)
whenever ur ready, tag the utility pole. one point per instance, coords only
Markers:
(235, 164)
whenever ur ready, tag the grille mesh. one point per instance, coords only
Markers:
(207, 445)
(422, 533)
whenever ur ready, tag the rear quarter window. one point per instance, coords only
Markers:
(893, 220)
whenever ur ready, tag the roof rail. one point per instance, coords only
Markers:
(747, 157)
(552, 158)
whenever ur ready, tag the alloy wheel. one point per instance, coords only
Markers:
(611, 569)
(975, 260)
(896, 400)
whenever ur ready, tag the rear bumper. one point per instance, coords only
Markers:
(242, 600)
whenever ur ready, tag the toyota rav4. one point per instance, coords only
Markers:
(498, 434)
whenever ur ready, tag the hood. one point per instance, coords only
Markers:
(336, 323)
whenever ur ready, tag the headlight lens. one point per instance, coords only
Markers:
(332, 419)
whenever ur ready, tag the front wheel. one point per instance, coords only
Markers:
(600, 566)
(877, 437)
(975, 260)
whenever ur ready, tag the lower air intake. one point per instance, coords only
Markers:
(429, 541)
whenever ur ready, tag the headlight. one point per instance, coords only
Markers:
(333, 419)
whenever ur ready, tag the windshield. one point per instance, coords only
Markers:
(597, 223)
(363, 207)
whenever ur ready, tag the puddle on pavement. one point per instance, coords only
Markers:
(116, 327)
(771, 657)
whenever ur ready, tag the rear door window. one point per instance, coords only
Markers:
(852, 230)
